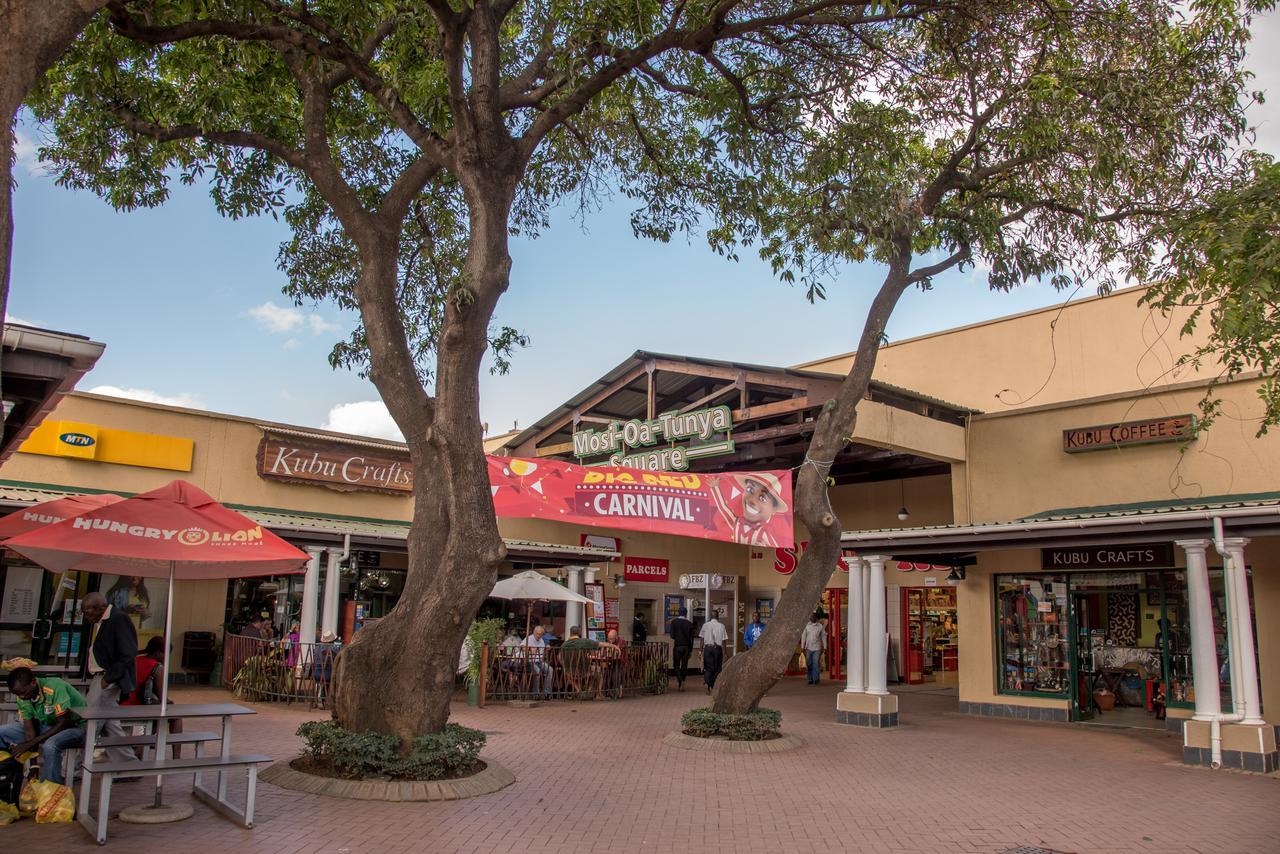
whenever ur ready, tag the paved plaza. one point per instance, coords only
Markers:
(596, 777)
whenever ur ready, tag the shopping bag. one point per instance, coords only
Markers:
(29, 798)
(55, 803)
(8, 813)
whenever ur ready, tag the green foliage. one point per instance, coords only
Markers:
(449, 753)
(481, 632)
(263, 677)
(1223, 264)
(759, 725)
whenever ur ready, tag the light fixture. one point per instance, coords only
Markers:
(956, 574)
(619, 581)
(902, 511)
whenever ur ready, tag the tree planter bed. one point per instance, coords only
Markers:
(491, 778)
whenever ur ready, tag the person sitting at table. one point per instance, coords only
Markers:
(542, 671)
(150, 672)
(47, 720)
(613, 639)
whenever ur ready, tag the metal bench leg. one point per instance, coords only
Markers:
(104, 807)
(251, 796)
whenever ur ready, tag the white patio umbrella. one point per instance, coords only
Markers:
(533, 586)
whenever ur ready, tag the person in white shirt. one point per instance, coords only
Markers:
(813, 640)
(543, 674)
(713, 636)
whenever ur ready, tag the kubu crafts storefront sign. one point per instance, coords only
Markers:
(336, 466)
(1175, 428)
(753, 508)
(646, 569)
(621, 439)
(1131, 556)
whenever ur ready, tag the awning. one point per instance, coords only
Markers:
(38, 369)
(320, 528)
(1252, 515)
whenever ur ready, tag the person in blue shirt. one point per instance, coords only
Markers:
(752, 631)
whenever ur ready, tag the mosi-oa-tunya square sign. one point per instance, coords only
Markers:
(335, 465)
(622, 436)
(1175, 428)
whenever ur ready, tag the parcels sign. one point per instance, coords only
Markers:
(646, 569)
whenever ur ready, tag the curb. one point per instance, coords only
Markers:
(492, 779)
(681, 741)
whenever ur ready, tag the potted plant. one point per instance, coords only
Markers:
(481, 632)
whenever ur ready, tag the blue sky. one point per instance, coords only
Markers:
(190, 307)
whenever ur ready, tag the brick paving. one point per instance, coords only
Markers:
(596, 777)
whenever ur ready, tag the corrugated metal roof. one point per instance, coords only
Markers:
(287, 520)
(330, 438)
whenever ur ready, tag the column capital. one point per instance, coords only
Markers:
(880, 559)
(1193, 545)
(315, 551)
(1235, 542)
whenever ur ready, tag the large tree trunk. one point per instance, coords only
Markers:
(33, 34)
(397, 676)
(750, 675)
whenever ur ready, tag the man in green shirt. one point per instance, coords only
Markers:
(46, 720)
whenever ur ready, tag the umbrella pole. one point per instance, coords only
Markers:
(162, 726)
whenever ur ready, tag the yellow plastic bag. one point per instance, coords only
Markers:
(29, 798)
(5, 756)
(56, 803)
(8, 813)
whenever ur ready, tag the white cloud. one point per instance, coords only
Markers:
(26, 152)
(283, 319)
(189, 401)
(364, 418)
(277, 318)
(291, 344)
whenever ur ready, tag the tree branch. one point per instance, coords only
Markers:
(239, 138)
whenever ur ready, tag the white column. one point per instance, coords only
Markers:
(576, 612)
(332, 581)
(310, 596)
(1242, 628)
(877, 649)
(857, 650)
(1204, 653)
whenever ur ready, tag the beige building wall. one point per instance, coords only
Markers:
(1093, 346)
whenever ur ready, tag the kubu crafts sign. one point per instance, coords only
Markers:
(1175, 428)
(646, 569)
(1134, 556)
(752, 508)
(630, 444)
(335, 465)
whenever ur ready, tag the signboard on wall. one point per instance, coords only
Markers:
(1174, 428)
(651, 444)
(1132, 556)
(646, 569)
(671, 605)
(600, 541)
(595, 611)
(334, 465)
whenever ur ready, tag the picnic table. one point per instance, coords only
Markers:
(159, 764)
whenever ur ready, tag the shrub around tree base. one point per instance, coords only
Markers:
(760, 725)
(439, 756)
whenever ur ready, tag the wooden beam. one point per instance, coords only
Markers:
(555, 450)
(651, 403)
(774, 432)
(732, 374)
(766, 410)
(707, 398)
(604, 394)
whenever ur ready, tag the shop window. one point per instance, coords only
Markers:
(1032, 634)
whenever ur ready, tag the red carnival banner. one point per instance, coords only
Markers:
(753, 508)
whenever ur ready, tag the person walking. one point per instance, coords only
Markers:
(753, 631)
(639, 631)
(813, 640)
(713, 636)
(681, 646)
(113, 646)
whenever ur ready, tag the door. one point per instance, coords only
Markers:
(40, 614)
(837, 632)
(1083, 667)
(913, 635)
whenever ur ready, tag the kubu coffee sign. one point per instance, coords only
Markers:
(334, 465)
(1175, 428)
(646, 569)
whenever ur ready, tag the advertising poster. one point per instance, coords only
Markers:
(753, 508)
(143, 599)
(671, 605)
(595, 611)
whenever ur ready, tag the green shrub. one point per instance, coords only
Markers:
(760, 725)
(481, 631)
(371, 754)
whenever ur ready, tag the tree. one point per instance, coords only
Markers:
(1223, 262)
(1038, 140)
(33, 34)
(417, 135)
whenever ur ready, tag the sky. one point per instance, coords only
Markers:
(191, 309)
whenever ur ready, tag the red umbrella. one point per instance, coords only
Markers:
(176, 531)
(50, 512)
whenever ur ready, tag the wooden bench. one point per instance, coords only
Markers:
(109, 771)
